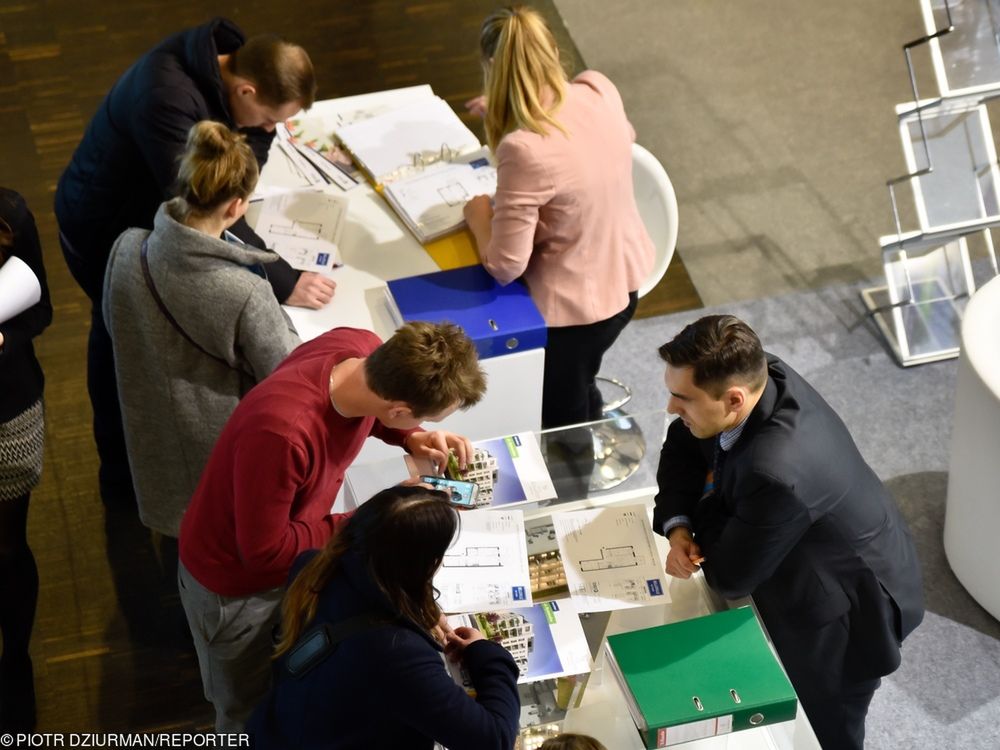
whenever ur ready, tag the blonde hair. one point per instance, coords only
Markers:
(281, 71)
(217, 166)
(521, 60)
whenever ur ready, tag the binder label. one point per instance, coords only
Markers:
(694, 730)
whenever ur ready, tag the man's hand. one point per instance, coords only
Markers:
(312, 290)
(477, 106)
(435, 444)
(684, 552)
(458, 639)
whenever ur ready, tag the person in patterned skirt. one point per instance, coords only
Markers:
(22, 436)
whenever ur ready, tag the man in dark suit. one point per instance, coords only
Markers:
(789, 513)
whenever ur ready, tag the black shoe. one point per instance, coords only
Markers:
(17, 697)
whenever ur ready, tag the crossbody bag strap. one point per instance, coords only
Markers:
(320, 641)
(166, 313)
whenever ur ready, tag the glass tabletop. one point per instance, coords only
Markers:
(604, 461)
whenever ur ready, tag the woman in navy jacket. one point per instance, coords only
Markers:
(359, 663)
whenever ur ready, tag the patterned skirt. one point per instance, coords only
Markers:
(22, 443)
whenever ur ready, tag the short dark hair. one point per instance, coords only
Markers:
(719, 349)
(428, 366)
(281, 71)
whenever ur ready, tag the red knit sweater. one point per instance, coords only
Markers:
(266, 492)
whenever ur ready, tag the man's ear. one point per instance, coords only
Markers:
(245, 88)
(399, 410)
(735, 396)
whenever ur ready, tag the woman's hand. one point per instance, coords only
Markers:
(478, 214)
(477, 106)
(458, 639)
(442, 631)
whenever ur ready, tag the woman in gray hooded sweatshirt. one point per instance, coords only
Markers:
(193, 322)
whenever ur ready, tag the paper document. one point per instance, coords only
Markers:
(303, 227)
(317, 162)
(508, 470)
(487, 565)
(431, 201)
(546, 640)
(610, 558)
(413, 135)
(19, 288)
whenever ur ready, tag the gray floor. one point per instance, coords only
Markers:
(775, 122)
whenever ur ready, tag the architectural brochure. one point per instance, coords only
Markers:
(546, 640)
(303, 227)
(414, 135)
(508, 471)
(431, 201)
(610, 558)
(486, 566)
(314, 165)
(425, 159)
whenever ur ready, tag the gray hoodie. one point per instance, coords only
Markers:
(176, 399)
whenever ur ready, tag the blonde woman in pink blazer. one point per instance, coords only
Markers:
(564, 218)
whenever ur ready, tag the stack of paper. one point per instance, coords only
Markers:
(427, 160)
(314, 162)
(407, 138)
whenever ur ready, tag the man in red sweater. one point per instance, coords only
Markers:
(267, 490)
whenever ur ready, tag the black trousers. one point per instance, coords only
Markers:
(114, 474)
(573, 357)
(826, 679)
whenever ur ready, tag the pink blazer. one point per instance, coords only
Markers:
(565, 217)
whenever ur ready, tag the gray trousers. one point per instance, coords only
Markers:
(232, 635)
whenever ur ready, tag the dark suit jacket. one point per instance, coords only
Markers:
(126, 164)
(801, 522)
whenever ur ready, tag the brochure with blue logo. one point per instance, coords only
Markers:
(545, 640)
(486, 566)
(610, 558)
